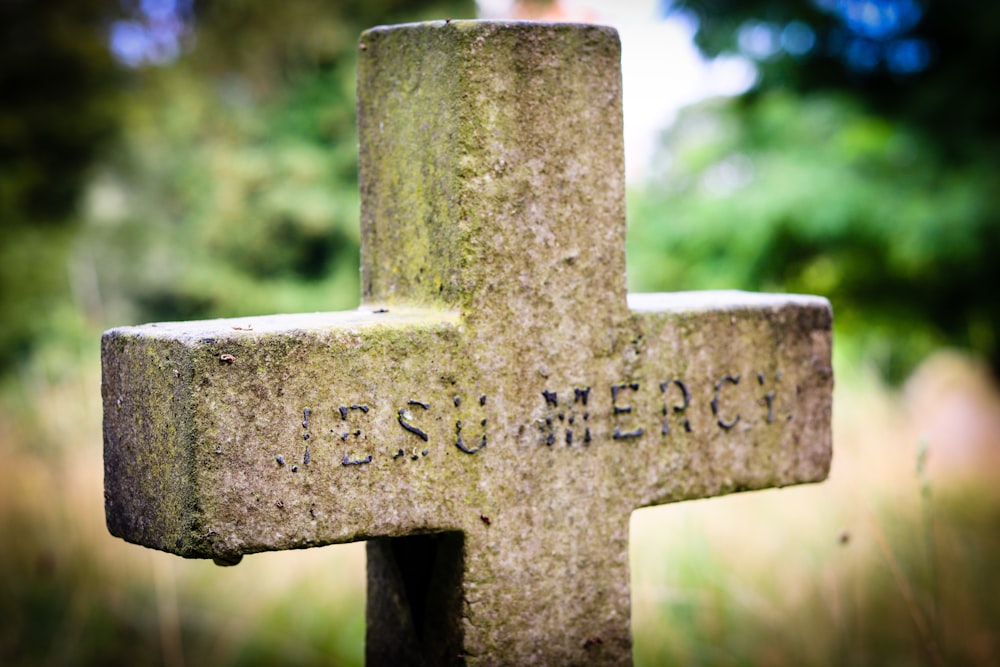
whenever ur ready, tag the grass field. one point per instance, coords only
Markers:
(888, 562)
(891, 561)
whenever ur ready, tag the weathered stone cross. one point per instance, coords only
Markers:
(496, 409)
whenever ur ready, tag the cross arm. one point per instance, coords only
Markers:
(737, 393)
(227, 437)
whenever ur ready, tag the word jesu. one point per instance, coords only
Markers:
(348, 430)
(569, 418)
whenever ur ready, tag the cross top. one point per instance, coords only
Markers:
(496, 409)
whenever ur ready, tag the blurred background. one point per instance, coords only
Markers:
(178, 159)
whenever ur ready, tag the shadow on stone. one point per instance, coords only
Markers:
(414, 600)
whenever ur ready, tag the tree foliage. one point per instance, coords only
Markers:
(240, 160)
(868, 180)
(57, 112)
(917, 62)
(209, 169)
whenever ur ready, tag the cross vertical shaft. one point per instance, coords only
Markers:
(492, 175)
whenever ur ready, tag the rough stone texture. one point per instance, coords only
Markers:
(515, 408)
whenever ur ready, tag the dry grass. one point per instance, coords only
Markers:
(72, 594)
(887, 562)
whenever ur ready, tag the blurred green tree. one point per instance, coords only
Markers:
(862, 165)
(178, 159)
(234, 190)
(916, 62)
(58, 110)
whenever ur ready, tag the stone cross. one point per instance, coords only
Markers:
(491, 415)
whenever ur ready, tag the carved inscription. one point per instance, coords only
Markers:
(577, 416)
(473, 445)
(715, 402)
(421, 428)
(405, 416)
(625, 422)
(618, 410)
(678, 409)
(350, 431)
(569, 421)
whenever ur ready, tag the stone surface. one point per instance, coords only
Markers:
(497, 408)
